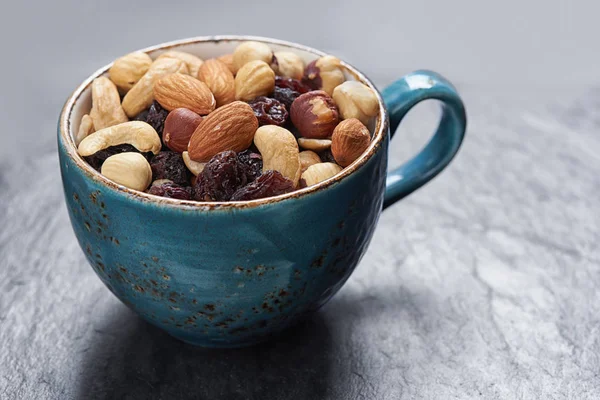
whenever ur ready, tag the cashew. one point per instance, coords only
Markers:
(314, 144)
(195, 167)
(128, 70)
(139, 134)
(106, 104)
(279, 150)
(141, 94)
(128, 169)
(319, 172)
(86, 127)
(308, 158)
(193, 63)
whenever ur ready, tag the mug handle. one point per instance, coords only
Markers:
(399, 98)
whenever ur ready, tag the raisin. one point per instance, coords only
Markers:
(251, 163)
(291, 83)
(269, 111)
(171, 190)
(285, 96)
(271, 183)
(287, 89)
(142, 116)
(170, 165)
(326, 156)
(97, 159)
(221, 177)
(155, 116)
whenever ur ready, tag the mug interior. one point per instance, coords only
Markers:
(80, 103)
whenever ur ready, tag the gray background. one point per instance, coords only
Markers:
(483, 284)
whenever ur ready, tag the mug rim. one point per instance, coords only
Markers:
(68, 144)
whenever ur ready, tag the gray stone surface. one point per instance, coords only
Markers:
(483, 284)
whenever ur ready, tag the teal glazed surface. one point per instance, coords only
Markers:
(399, 98)
(230, 276)
(227, 276)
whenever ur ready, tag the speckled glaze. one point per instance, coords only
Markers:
(232, 274)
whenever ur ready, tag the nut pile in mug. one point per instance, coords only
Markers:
(242, 126)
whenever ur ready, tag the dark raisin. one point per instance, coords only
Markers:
(287, 89)
(291, 83)
(170, 165)
(269, 111)
(326, 156)
(285, 96)
(97, 159)
(171, 190)
(221, 177)
(251, 163)
(271, 183)
(142, 116)
(156, 117)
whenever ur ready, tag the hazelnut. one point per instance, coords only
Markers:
(254, 79)
(319, 172)
(251, 51)
(350, 139)
(127, 70)
(178, 128)
(356, 100)
(314, 114)
(129, 169)
(308, 158)
(324, 73)
(288, 64)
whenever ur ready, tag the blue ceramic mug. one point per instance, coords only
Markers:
(232, 274)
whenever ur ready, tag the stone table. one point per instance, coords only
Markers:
(483, 284)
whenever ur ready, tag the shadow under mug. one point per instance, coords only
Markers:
(232, 274)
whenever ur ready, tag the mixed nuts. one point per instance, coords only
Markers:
(243, 126)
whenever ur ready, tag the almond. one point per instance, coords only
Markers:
(230, 127)
(140, 96)
(179, 127)
(182, 91)
(219, 80)
(350, 139)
